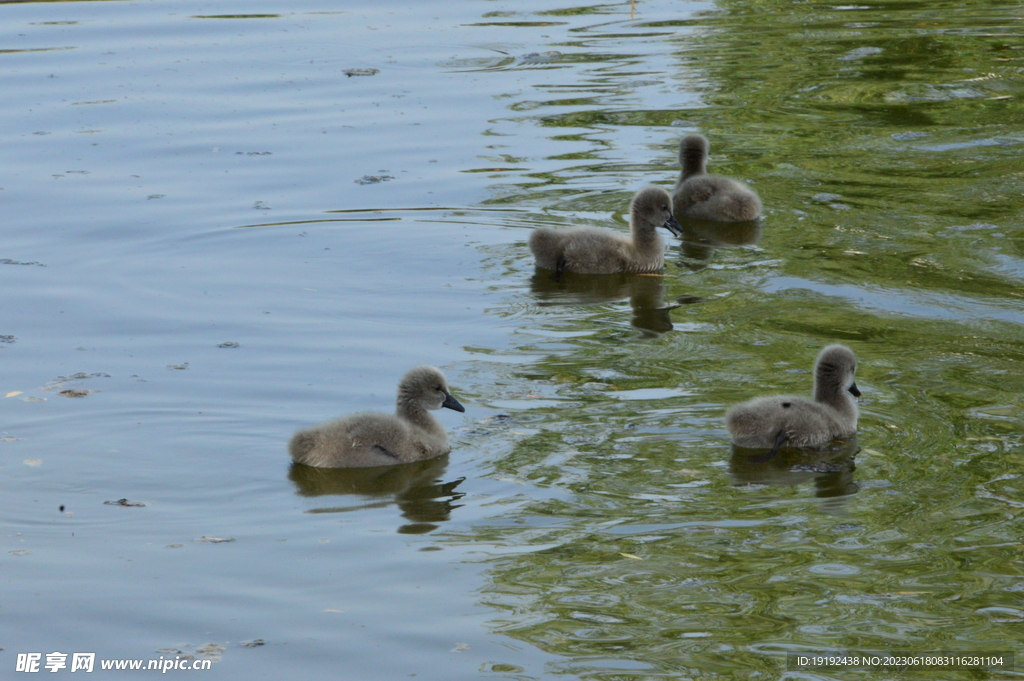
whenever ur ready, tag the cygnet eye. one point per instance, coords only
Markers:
(438, 388)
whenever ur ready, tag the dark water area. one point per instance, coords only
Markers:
(214, 236)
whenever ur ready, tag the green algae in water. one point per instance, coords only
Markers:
(885, 143)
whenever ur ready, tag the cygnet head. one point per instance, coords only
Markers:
(834, 372)
(425, 387)
(693, 154)
(653, 206)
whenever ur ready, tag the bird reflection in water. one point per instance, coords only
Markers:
(644, 291)
(416, 488)
(702, 237)
(830, 468)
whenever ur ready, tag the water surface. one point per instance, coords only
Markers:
(223, 238)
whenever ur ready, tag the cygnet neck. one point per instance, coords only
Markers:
(411, 409)
(828, 390)
(693, 156)
(645, 234)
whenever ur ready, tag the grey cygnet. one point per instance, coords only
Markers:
(710, 197)
(796, 421)
(374, 439)
(590, 250)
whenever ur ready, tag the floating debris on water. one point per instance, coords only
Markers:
(76, 392)
(254, 643)
(215, 540)
(228, 344)
(361, 72)
(178, 367)
(374, 179)
(211, 651)
(181, 654)
(124, 502)
(61, 381)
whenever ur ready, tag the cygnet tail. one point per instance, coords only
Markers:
(301, 445)
(745, 207)
(780, 440)
(547, 247)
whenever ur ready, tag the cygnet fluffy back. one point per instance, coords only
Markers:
(710, 197)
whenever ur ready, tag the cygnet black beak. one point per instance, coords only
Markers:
(673, 226)
(452, 403)
(853, 389)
